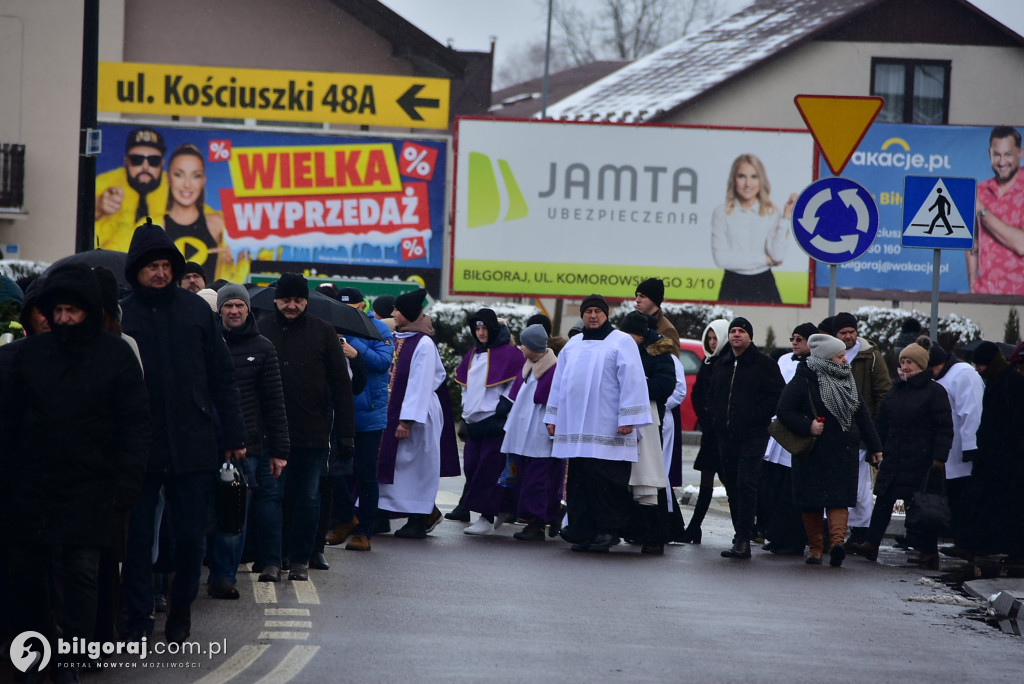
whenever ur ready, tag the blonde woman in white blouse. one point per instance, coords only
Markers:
(749, 234)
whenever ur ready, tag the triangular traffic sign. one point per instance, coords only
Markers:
(838, 123)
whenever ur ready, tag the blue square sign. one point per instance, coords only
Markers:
(938, 212)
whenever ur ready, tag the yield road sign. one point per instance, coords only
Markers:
(835, 220)
(938, 213)
(838, 123)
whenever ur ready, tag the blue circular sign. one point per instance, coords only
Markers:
(835, 220)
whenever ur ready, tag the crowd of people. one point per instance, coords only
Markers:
(121, 414)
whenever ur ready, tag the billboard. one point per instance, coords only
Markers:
(359, 205)
(886, 156)
(568, 209)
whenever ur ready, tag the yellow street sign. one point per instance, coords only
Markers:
(313, 96)
(838, 123)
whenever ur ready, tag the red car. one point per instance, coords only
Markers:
(691, 355)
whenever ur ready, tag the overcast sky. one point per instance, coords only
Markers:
(470, 24)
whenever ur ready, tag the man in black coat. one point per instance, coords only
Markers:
(193, 399)
(315, 378)
(259, 383)
(745, 388)
(76, 430)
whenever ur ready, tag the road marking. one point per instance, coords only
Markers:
(306, 592)
(290, 666)
(234, 665)
(298, 624)
(286, 611)
(263, 592)
(302, 636)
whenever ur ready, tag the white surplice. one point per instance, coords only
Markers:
(775, 453)
(526, 433)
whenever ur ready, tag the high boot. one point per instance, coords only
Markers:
(815, 537)
(837, 519)
(693, 533)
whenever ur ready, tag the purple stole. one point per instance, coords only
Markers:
(398, 381)
(543, 391)
(504, 363)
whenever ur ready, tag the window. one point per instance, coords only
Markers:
(926, 82)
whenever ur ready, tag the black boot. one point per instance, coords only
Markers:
(858, 535)
(740, 549)
(693, 534)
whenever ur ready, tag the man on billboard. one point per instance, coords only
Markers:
(996, 264)
(127, 195)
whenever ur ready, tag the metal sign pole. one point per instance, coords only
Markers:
(936, 265)
(832, 269)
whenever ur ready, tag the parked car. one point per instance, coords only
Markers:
(691, 355)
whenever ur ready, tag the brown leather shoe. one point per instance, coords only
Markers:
(869, 551)
(341, 532)
(359, 542)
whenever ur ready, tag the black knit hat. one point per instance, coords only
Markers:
(540, 319)
(193, 267)
(291, 285)
(805, 330)
(985, 352)
(741, 322)
(828, 326)
(653, 288)
(384, 305)
(594, 300)
(634, 323)
(486, 318)
(844, 319)
(350, 295)
(410, 304)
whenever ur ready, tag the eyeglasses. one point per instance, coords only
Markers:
(796, 338)
(153, 159)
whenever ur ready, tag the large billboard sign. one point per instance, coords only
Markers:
(889, 154)
(230, 198)
(568, 209)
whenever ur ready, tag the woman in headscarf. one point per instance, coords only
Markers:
(715, 339)
(822, 400)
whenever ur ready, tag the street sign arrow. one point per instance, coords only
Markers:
(409, 102)
(810, 218)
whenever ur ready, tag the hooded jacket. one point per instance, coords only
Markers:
(188, 369)
(76, 422)
(371, 405)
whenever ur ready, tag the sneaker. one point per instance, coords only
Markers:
(270, 573)
(533, 531)
(297, 572)
(433, 520)
(416, 528)
(358, 542)
(340, 532)
(481, 526)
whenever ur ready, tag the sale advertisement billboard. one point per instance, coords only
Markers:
(568, 209)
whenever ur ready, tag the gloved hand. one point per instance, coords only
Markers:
(939, 465)
(346, 447)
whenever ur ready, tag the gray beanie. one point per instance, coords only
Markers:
(232, 291)
(535, 338)
(825, 346)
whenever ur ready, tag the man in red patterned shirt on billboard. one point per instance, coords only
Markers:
(996, 264)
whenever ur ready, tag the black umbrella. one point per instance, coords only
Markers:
(108, 258)
(345, 319)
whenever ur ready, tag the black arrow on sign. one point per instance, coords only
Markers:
(409, 102)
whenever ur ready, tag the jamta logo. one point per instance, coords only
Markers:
(25, 655)
(900, 157)
(485, 196)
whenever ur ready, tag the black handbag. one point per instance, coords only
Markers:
(929, 511)
(798, 445)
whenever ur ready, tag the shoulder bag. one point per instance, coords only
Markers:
(798, 445)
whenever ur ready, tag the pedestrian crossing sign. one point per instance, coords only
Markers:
(938, 213)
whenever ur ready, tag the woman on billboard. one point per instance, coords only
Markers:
(198, 234)
(749, 234)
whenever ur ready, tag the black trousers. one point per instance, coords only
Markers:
(781, 522)
(740, 457)
(597, 496)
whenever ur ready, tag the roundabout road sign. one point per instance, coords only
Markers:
(835, 220)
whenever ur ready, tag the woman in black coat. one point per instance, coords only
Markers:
(715, 340)
(822, 400)
(915, 422)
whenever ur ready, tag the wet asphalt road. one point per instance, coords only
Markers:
(455, 608)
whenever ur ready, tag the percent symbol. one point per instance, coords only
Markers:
(413, 247)
(416, 161)
(219, 150)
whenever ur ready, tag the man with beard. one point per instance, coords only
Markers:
(127, 195)
(994, 265)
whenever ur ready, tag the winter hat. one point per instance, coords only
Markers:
(740, 322)
(805, 330)
(653, 288)
(844, 319)
(145, 136)
(917, 353)
(535, 338)
(594, 300)
(232, 291)
(720, 326)
(936, 354)
(910, 325)
(486, 318)
(828, 325)
(329, 289)
(193, 267)
(350, 295)
(576, 328)
(384, 305)
(985, 352)
(73, 283)
(410, 304)
(540, 319)
(825, 346)
(291, 285)
(634, 323)
(9, 291)
(211, 297)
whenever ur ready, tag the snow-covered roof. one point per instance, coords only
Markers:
(663, 80)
